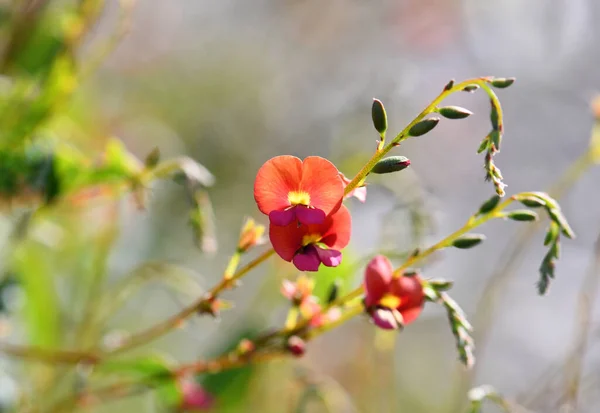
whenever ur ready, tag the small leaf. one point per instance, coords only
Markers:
(522, 215)
(494, 116)
(468, 241)
(379, 116)
(454, 112)
(485, 144)
(495, 138)
(449, 85)
(557, 216)
(552, 233)
(423, 127)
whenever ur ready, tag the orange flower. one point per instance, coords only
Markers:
(309, 246)
(288, 189)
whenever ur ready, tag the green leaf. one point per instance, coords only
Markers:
(231, 387)
(343, 274)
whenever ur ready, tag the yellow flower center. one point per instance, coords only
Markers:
(299, 198)
(390, 301)
(310, 239)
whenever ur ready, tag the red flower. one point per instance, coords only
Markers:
(392, 302)
(288, 189)
(309, 246)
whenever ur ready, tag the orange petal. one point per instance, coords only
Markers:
(336, 229)
(275, 180)
(321, 180)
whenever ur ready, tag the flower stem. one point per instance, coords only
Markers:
(404, 134)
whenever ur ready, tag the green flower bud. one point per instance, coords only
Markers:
(468, 241)
(489, 205)
(421, 128)
(391, 164)
(454, 112)
(532, 202)
(440, 284)
(379, 116)
(502, 83)
(470, 88)
(152, 158)
(522, 215)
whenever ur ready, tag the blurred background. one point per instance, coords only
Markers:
(233, 83)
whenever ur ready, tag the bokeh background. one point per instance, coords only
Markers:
(232, 83)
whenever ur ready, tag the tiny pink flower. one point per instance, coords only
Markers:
(194, 397)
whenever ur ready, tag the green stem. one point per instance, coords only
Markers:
(404, 135)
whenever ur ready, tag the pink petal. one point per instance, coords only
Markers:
(387, 319)
(282, 218)
(359, 193)
(378, 276)
(330, 258)
(288, 289)
(309, 216)
(308, 260)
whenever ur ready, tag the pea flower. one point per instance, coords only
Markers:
(392, 302)
(309, 246)
(289, 189)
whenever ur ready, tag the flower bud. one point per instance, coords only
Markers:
(424, 126)
(152, 158)
(454, 112)
(440, 284)
(502, 83)
(532, 202)
(250, 235)
(522, 215)
(379, 116)
(296, 346)
(449, 85)
(193, 396)
(333, 292)
(468, 241)
(470, 88)
(489, 205)
(391, 164)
